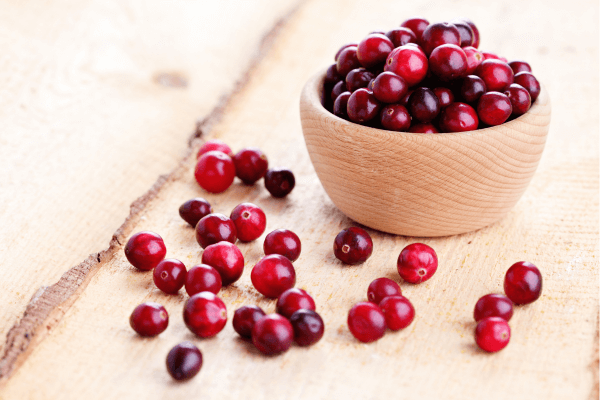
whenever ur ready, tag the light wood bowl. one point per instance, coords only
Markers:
(422, 184)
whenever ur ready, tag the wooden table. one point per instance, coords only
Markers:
(74, 341)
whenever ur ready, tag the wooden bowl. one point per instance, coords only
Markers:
(422, 184)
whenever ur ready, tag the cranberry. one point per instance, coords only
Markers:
(337, 54)
(308, 327)
(409, 62)
(444, 95)
(417, 263)
(214, 145)
(250, 221)
(331, 76)
(205, 314)
(366, 322)
(466, 33)
(389, 87)
(417, 25)
(283, 242)
(149, 319)
(353, 246)
(496, 74)
(293, 300)
(184, 361)
(273, 275)
(347, 61)
(250, 165)
(194, 210)
(358, 78)
(519, 99)
(395, 117)
(529, 82)
(423, 105)
(492, 334)
(338, 89)
(471, 88)
(474, 59)
(215, 171)
(244, 319)
(523, 283)
(401, 36)
(438, 34)
(381, 288)
(459, 117)
(448, 62)
(272, 334)
(489, 55)
(494, 108)
(404, 101)
(202, 278)
(373, 50)
(423, 128)
(227, 259)
(145, 250)
(519, 66)
(398, 311)
(169, 275)
(215, 228)
(362, 106)
(340, 105)
(474, 29)
(493, 305)
(279, 182)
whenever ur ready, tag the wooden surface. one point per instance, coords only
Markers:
(89, 351)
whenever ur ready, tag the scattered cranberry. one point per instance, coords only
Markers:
(145, 250)
(149, 319)
(273, 275)
(519, 66)
(250, 221)
(338, 89)
(293, 300)
(362, 106)
(366, 322)
(529, 82)
(401, 36)
(215, 171)
(423, 105)
(398, 310)
(466, 33)
(409, 62)
(358, 78)
(381, 288)
(227, 259)
(438, 34)
(474, 59)
(283, 242)
(492, 334)
(444, 95)
(519, 99)
(373, 50)
(395, 117)
(353, 246)
(459, 117)
(337, 54)
(205, 314)
(471, 88)
(279, 182)
(494, 108)
(214, 145)
(389, 87)
(417, 263)
(215, 228)
(493, 305)
(523, 283)
(244, 319)
(250, 165)
(417, 25)
(308, 327)
(169, 275)
(496, 74)
(347, 61)
(448, 62)
(423, 128)
(184, 361)
(340, 105)
(272, 334)
(202, 278)
(194, 210)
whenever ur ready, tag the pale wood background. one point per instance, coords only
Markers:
(89, 351)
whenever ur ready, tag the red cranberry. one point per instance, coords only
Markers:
(145, 250)
(340, 105)
(381, 288)
(149, 319)
(353, 246)
(519, 66)
(496, 74)
(474, 59)
(366, 322)
(471, 88)
(338, 89)
(279, 182)
(474, 29)
(399, 312)
(492, 334)
(409, 62)
(404, 101)
(308, 327)
(438, 34)
(423, 128)
(347, 61)
(493, 305)
(466, 33)
(395, 117)
(489, 55)
(529, 82)
(374, 49)
(417, 263)
(273, 275)
(250, 221)
(444, 95)
(459, 117)
(272, 334)
(202, 278)
(184, 361)
(417, 25)
(169, 275)
(205, 314)
(227, 259)
(423, 105)
(362, 106)
(337, 54)
(214, 145)
(331, 76)
(215, 171)
(448, 62)
(523, 283)
(250, 165)
(215, 228)
(194, 210)
(358, 78)
(283, 242)
(519, 99)
(293, 300)
(494, 108)
(244, 319)
(401, 36)
(389, 87)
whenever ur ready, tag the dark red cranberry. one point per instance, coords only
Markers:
(194, 210)
(279, 182)
(338, 89)
(466, 33)
(184, 361)
(423, 105)
(409, 62)
(145, 250)
(347, 61)
(389, 87)
(423, 128)
(214, 145)
(169, 275)
(474, 29)
(417, 263)
(215, 228)
(149, 319)
(203, 278)
(358, 78)
(398, 310)
(474, 59)
(523, 283)
(374, 49)
(493, 305)
(438, 34)
(459, 117)
(362, 106)
(471, 88)
(273, 275)
(401, 36)
(448, 62)
(381, 288)
(308, 327)
(205, 314)
(353, 246)
(529, 82)
(250, 165)
(492, 334)
(293, 300)
(337, 54)
(227, 259)
(283, 242)
(444, 95)
(340, 105)
(519, 99)
(404, 101)
(395, 117)
(496, 74)
(215, 171)
(244, 319)
(366, 322)
(250, 221)
(331, 76)
(417, 25)
(272, 334)
(519, 66)
(494, 108)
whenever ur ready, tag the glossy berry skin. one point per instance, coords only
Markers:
(250, 221)
(308, 327)
(169, 275)
(347, 61)
(398, 310)
(519, 66)
(494, 108)
(472, 88)
(338, 89)
(438, 34)
(272, 334)
(381, 288)
(444, 95)
(493, 305)
(395, 117)
(215, 228)
(340, 105)
(492, 334)
(487, 55)
(389, 87)
(149, 319)
(362, 106)
(417, 263)
(496, 74)
(214, 171)
(202, 278)
(459, 117)
(523, 283)
(292, 300)
(358, 78)
(244, 319)
(283, 242)
(145, 250)
(466, 33)
(401, 36)
(273, 275)
(476, 37)
(366, 322)
(409, 62)
(337, 54)
(353, 246)
(474, 59)
(529, 82)
(227, 259)
(279, 182)
(448, 62)
(519, 99)
(423, 128)
(417, 25)
(184, 361)
(194, 210)
(423, 105)
(250, 165)
(205, 314)
(215, 145)
(373, 50)
(331, 76)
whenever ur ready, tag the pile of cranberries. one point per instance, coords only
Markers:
(427, 78)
